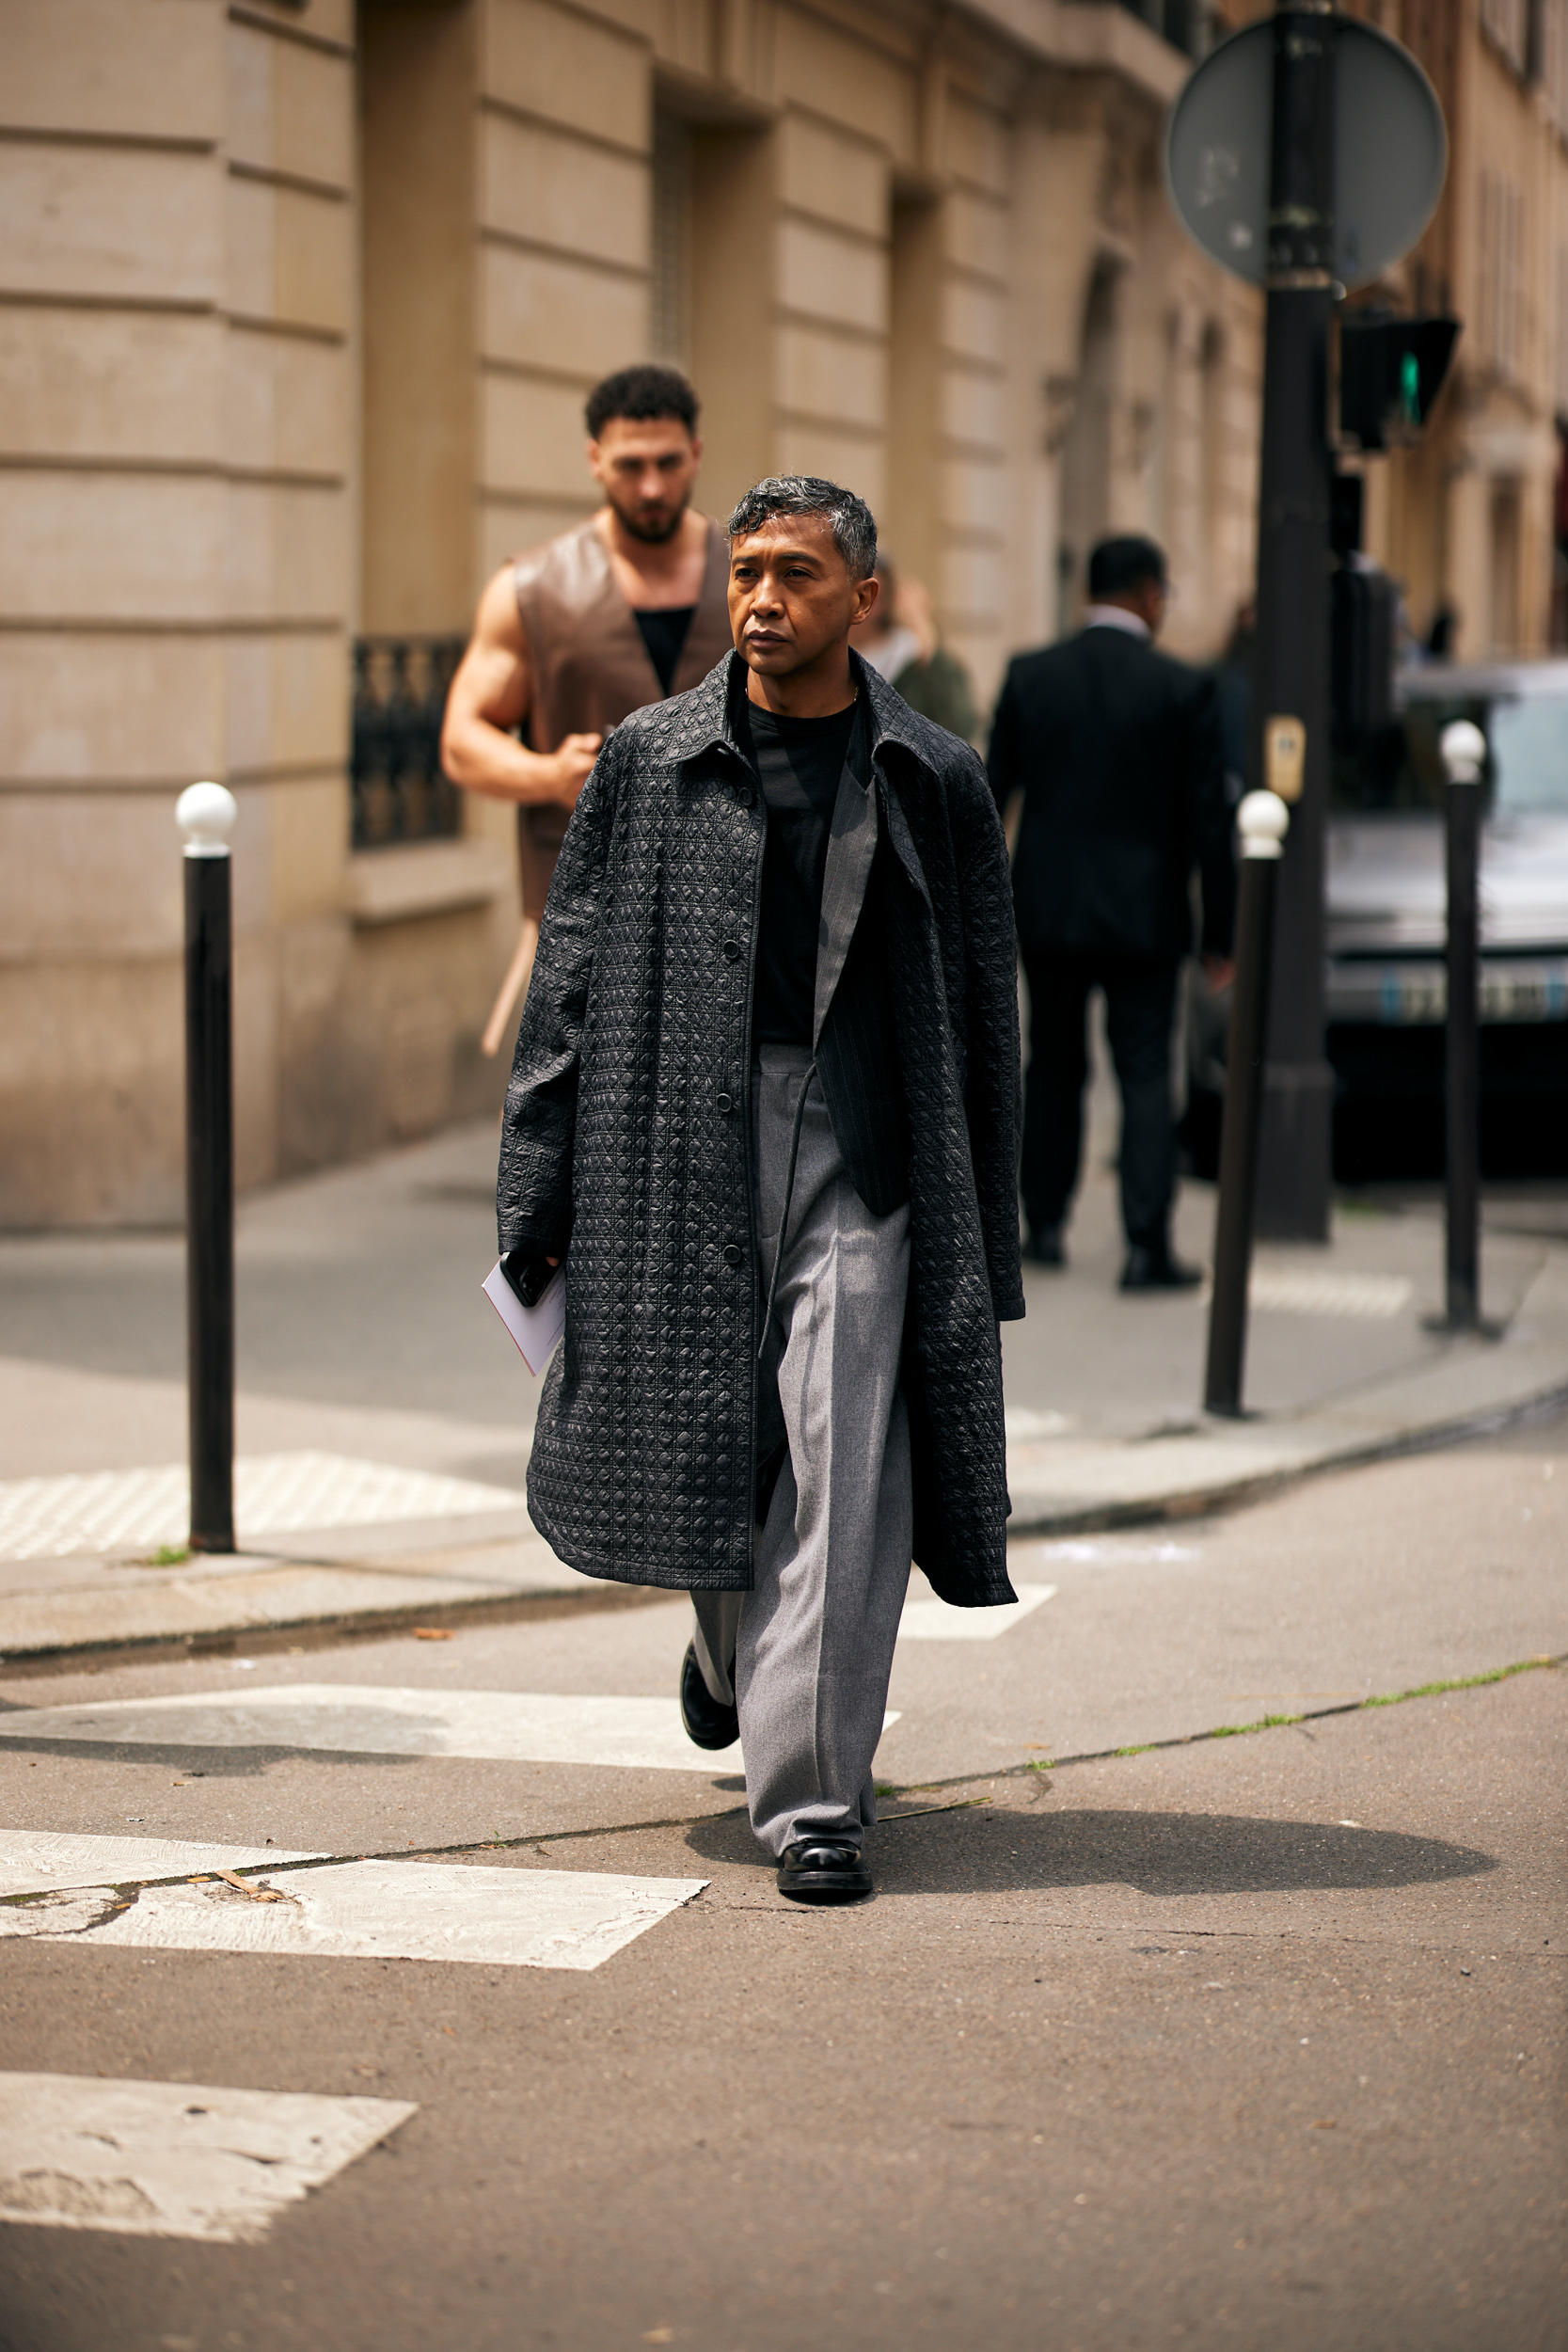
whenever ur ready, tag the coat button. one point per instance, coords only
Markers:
(723, 1101)
(745, 795)
(732, 950)
(734, 1254)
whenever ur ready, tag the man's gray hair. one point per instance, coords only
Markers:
(854, 524)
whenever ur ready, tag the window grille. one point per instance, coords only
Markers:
(1553, 60)
(1506, 24)
(1501, 270)
(670, 323)
(399, 789)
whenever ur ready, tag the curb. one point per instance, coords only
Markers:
(1469, 1390)
(1199, 1500)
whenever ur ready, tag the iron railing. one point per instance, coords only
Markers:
(400, 792)
(1187, 24)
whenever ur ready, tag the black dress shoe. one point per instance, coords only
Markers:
(1157, 1270)
(1044, 1247)
(707, 1720)
(822, 1870)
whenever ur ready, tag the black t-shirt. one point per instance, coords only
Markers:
(664, 633)
(798, 763)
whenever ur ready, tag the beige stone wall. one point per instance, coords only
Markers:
(179, 468)
(298, 305)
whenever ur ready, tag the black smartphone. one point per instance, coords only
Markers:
(527, 1274)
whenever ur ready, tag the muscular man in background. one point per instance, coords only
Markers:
(625, 609)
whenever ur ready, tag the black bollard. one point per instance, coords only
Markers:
(1263, 819)
(1464, 750)
(205, 814)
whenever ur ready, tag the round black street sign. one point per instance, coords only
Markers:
(1391, 151)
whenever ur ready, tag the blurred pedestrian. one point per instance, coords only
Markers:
(764, 1103)
(1233, 674)
(1117, 752)
(901, 639)
(623, 610)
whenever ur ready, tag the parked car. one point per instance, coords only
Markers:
(1387, 981)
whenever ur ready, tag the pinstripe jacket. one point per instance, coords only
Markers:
(626, 1137)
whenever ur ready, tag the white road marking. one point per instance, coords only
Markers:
(1024, 1425)
(173, 2159)
(939, 1621)
(275, 1494)
(33, 1861)
(1112, 1555)
(448, 1911)
(521, 1727)
(360, 1719)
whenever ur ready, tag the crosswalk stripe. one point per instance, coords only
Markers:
(173, 2159)
(524, 1728)
(443, 1911)
(32, 1861)
(939, 1621)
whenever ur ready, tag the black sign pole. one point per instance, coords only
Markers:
(1291, 672)
(205, 814)
(1263, 819)
(1464, 755)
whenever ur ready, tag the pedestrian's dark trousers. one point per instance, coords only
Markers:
(1140, 1001)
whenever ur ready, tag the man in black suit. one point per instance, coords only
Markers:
(1117, 749)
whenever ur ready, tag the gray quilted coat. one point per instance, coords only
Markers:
(626, 1134)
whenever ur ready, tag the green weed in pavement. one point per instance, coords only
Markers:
(1460, 1682)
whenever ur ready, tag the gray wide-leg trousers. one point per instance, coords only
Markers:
(807, 1653)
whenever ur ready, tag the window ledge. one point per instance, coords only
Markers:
(418, 877)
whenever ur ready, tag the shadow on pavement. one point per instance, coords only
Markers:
(1158, 1853)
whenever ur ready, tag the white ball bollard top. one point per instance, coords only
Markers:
(1264, 821)
(205, 814)
(1463, 749)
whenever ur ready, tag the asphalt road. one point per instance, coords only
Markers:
(1254, 2040)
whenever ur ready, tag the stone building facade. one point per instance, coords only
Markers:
(299, 301)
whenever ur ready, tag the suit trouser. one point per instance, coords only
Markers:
(1140, 1001)
(807, 1653)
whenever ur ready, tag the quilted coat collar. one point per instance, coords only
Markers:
(706, 718)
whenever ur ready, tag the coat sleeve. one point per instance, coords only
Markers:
(993, 1093)
(533, 1186)
(1004, 761)
(1209, 819)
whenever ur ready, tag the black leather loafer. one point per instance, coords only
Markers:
(708, 1720)
(1157, 1270)
(820, 1870)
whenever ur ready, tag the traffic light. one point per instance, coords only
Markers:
(1364, 608)
(1390, 372)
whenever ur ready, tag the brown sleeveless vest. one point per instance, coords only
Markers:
(590, 665)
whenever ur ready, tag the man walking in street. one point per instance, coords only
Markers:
(1117, 753)
(628, 606)
(764, 1103)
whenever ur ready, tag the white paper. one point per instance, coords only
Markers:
(535, 1329)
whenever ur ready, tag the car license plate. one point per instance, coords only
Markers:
(1413, 994)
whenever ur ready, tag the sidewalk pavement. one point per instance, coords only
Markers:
(384, 1418)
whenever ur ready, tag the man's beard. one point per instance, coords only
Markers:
(652, 534)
